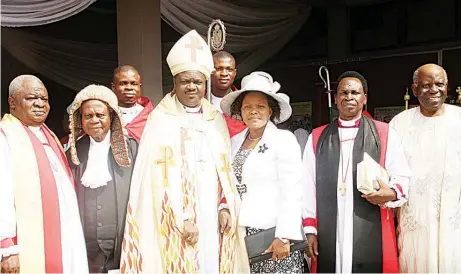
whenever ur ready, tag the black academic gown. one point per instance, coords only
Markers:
(103, 210)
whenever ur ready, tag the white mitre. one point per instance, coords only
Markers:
(190, 52)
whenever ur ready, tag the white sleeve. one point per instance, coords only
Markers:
(309, 203)
(289, 175)
(398, 168)
(7, 208)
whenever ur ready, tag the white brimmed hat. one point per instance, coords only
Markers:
(262, 82)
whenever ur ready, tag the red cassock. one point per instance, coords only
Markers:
(136, 127)
(233, 125)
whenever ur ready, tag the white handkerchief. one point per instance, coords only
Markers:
(368, 171)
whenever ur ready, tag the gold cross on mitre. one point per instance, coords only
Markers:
(190, 53)
(165, 160)
(193, 46)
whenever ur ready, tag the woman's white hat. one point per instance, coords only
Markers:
(262, 82)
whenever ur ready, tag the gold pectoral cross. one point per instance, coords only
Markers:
(167, 159)
(342, 190)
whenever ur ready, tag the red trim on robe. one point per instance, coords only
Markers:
(223, 201)
(136, 127)
(309, 222)
(367, 114)
(399, 187)
(50, 200)
(5, 243)
(389, 241)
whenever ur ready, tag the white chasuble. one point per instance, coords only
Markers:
(181, 171)
(430, 223)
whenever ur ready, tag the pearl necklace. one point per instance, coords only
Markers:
(255, 139)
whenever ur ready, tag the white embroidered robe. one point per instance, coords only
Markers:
(430, 223)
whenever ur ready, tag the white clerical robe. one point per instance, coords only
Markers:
(128, 114)
(181, 171)
(399, 173)
(74, 258)
(216, 102)
(430, 223)
(201, 158)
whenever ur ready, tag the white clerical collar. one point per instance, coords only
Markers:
(97, 172)
(130, 113)
(349, 123)
(193, 109)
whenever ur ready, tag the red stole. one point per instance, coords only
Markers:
(389, 242)
(50, 200)
(136, 127)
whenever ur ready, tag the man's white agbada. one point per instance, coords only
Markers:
(430, 223)
(190, 53)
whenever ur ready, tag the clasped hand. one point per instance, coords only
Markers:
(312, 250)
(190, 234)
(382, 196)
(10, 264)
(279, 249)
(224, 218)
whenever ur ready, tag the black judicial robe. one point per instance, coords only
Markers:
(375, 247)
(103, 210)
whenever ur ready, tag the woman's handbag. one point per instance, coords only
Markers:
(258, 243)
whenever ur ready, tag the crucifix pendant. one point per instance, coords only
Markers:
(342, 190)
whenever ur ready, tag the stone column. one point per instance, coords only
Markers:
(139, 42)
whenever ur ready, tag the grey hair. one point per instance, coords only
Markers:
(416, 73)
(18, 83)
